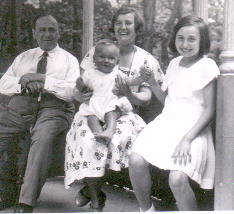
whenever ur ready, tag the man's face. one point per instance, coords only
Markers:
(46, 33)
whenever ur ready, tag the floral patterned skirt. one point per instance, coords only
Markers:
(85, 157)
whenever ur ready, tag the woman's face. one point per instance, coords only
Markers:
(124, 28)
(188, 41)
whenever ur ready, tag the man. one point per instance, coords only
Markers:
(40, 82)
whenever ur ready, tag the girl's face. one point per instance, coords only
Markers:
(188, 42)
(124, 28)
(106, 58)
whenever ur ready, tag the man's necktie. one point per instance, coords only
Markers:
(41, 66)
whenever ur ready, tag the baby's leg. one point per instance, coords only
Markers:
(110, 121)
(94, 124)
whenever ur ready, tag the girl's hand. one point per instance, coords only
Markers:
(147, 75)
(82, 97)
(122, 87)
(182, 152)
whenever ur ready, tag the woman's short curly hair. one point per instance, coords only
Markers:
(198, 22)
(126, 9)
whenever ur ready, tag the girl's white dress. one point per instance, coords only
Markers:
(183, 106)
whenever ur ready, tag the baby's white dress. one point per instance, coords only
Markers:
(183, 107)
(103, 100)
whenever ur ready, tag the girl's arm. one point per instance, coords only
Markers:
(135, 81)
(148, 76)
(158, 92)
(136, 98)
(208, 113)
(182, 151)
(142, 97)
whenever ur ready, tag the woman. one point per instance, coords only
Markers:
(86, 158)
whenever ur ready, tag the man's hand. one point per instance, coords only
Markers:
(31, 77)
(35, 87)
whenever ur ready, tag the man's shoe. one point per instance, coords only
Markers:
(82, 197)
(24, 208)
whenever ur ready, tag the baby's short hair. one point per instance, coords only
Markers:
(105, 42)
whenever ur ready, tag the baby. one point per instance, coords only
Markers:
(104, 107)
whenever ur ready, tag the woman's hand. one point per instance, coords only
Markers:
(80, 84)
(182, 152)
(121, 87)
(82, 97)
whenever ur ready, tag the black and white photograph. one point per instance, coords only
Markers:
(116, 106)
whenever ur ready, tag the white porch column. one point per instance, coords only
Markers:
(224, 178)
(200, 8)
(88, 23)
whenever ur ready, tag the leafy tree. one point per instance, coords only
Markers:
(160, 17)
(149, 14)
(16, 35)
(102, 19)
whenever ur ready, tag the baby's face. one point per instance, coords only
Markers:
(106, 58)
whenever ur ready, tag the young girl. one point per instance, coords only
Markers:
(180, 138)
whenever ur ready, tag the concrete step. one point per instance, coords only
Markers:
(55, 198)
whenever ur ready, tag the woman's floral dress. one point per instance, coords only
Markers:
(84, 156)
